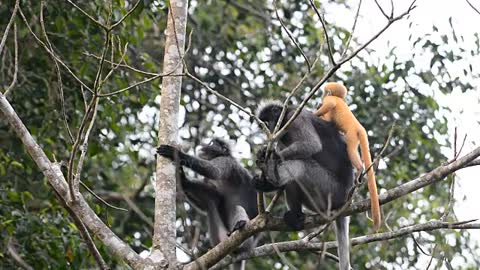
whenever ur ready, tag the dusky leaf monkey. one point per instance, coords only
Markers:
(228, 195)
(311, 164)
(335, 109)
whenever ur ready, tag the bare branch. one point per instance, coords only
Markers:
(15, 65)
(333, 69)
(353, 29)
(209, 89)
(74, 178)
(303, 245)
(264, 222)
(59, 75)
(126, 66)
(325, 30)
(101, 199)
(83, 233)
(52, 54)
(291, 36)
(55, 177)
(473, 163)
(7, 29)
(381, 10)
(473, 7)
(16, 257)
(97, 22)
(126, 15)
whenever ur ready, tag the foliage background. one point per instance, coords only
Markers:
(239, 48)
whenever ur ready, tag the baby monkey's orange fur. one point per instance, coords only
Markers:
(335, 109)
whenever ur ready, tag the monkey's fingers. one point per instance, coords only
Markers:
(167, 151)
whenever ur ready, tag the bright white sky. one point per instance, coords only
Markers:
(465, 107)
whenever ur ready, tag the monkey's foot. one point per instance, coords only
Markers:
(238, 226)
(295, 220)
(261, 184)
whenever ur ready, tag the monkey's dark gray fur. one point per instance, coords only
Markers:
(228, 195)
(311, 164)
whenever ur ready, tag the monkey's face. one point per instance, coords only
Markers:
(270, 116)
(215, 148)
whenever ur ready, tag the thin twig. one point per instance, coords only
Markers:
(76, 145)
(353, 29)
(7, 29)
(98, 76)
(325, 30)
(83, 232)
(473, 7)
(83, 152)
(209, 89)
(126, 15)
(88, 15)
(15, 66)
(154, 75)
(59, 75)
(101, 199)
(280, 255)
(126, 66)
(52, 53)
(332, 70)
(291, 36)
(273, 201)
(381, 10)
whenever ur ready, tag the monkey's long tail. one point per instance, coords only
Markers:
(372, 184)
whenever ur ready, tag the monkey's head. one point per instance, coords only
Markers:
(335, 89)
(269, 112)
(216, 148)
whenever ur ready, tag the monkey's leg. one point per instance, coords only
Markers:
(352, 150)
(216, 227)
(294, 217)
(238, 218)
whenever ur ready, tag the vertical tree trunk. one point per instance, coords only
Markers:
(165, 214)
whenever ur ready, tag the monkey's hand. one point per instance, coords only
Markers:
(168, 151)
(262, 184)
(261, 157)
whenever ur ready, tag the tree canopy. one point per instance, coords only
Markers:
(243, 50)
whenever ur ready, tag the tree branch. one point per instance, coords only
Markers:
(55, 177)
(7, 29)
(264, 222)
(304, 245)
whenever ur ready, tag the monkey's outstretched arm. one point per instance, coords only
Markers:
(199, 193)
(328, 104)
(201, 166)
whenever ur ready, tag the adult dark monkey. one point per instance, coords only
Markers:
(312, 166)
(228, 195)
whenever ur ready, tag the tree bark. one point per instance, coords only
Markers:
(165, 210)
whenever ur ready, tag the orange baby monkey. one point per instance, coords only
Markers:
(335, 109)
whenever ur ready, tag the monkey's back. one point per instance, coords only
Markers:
(342, 116)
